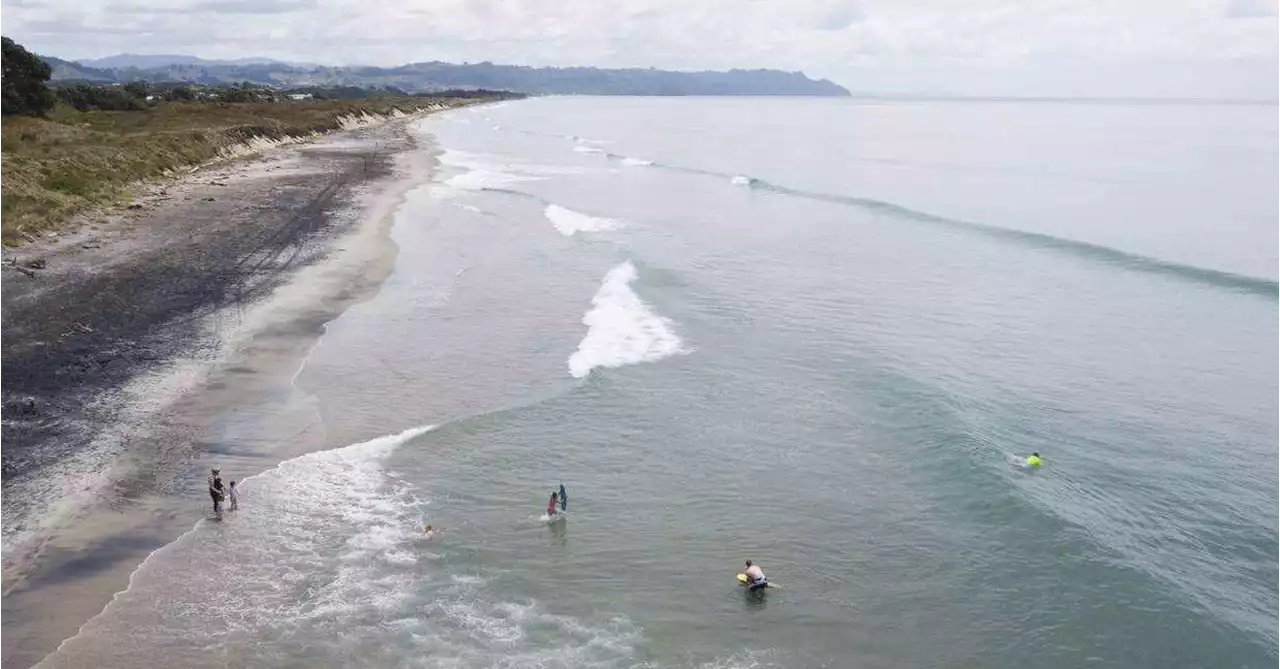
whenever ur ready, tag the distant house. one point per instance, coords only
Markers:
(299, 96)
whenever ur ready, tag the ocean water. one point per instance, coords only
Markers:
(811, 333)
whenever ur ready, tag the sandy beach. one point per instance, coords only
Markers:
(124, 338)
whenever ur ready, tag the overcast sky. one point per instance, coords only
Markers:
(1196, 48)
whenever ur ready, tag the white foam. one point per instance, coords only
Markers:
(484, 171)
(636, 162)
(582, 148)
(501, 163)
(740, 180)
(570, 222)
(325, 553)
(621, 328)
(481, 179)
(322, 538)
(485, 633)
(465, 159)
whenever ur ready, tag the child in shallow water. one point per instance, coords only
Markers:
(235, 499)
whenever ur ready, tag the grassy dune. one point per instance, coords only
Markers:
(56, 167)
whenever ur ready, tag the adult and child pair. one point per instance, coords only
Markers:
(221, 493)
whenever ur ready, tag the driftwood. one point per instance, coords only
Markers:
(13, 265)
(27, 236)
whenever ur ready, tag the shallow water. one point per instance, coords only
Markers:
(809, 333)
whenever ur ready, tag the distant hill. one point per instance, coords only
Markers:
(436, 76)
(125, 60)
(65, 70)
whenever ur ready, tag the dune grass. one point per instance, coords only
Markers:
(56, 167)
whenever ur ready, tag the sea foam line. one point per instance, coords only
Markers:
(621, 328)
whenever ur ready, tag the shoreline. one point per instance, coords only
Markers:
(131, 411)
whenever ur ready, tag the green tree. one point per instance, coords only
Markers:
(137, 89)
(180, 93)
(23, 82)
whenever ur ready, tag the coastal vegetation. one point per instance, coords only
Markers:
(24, 80)
(72, 148)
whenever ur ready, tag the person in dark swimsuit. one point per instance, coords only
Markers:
(216, 491)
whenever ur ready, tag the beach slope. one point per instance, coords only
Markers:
(124, 338)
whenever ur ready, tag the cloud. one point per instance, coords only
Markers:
(836, 15)
(822, 37)
(254, 6)
(1251, 9)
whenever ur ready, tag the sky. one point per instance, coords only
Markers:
(1130, 48)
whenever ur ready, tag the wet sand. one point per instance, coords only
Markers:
(154, 331)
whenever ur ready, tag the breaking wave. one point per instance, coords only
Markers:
(570, 222)
(621, 328)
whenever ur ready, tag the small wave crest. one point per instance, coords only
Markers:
(583, 148)
(1124, 259)
(636, 162)
(621, 328)
(495, 173)
(483, 179)
(570, 222)
(482, 631)
(587, 140)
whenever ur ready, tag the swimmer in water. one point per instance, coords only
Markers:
(1033, 460)
(551, 505)
(755, 576)
(429, 532)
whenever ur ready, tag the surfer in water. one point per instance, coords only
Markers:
(551, 505)
(755, 576)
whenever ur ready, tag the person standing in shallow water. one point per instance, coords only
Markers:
(235, 499)
(551, 505)
(216, 492)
